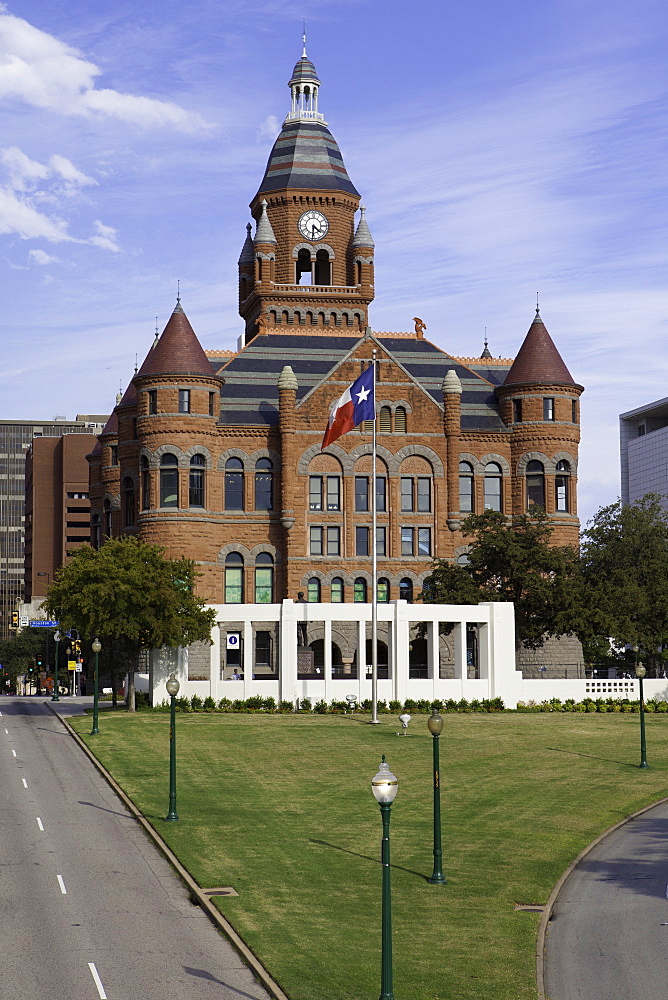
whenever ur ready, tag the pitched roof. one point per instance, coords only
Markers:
(538, 361)
(306, 155)
(178, 351)
(250, 393)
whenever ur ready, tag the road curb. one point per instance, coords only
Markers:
(196, 894)
(546, 916)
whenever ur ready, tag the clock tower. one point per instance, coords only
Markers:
(310, 262)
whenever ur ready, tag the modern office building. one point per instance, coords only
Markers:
(57, 508)
(16, 436)
(643, 438)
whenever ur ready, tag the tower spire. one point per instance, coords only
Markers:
(304, 85)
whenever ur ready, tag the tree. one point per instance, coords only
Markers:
(20, 653)
(127, 593)
(512, 560)
(625, 575)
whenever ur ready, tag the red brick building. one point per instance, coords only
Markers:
(57, 511)
(218, 457)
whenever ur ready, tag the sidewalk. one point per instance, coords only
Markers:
(608, 935)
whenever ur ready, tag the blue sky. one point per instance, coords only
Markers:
(502, 150)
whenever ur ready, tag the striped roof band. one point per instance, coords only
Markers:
(306, 155)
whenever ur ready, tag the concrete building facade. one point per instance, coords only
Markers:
(643, 439)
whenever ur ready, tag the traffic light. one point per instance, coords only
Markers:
(15, 619)
(77, 647)
(39, 661)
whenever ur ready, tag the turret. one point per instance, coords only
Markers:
(539, 402)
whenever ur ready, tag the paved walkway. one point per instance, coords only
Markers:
(608, 937)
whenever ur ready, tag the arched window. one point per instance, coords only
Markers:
(234, 578)
(234, 484)
(561, 486)
(264, 484)
(107, 519)
(406, 590)
(145, 484)
(359, 590)
(264, 578)
(323, 268)
(303, 274)
(336, 590)
(96, 534)
(313, 590)
(493, 483)
(400, 420)
(535, 484)
(196, 481)
(463, 559)
(465, 487)
(128, 502)
(383, 591)
(385, 422)
(169, 481)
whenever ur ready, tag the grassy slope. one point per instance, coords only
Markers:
(280, 807)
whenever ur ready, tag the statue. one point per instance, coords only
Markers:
(420, 326)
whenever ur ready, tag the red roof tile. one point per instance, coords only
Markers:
(538, 361)
(178, 351)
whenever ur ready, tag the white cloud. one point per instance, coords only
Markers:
(42, 71)
(28, 186)
(41, 258)
(269, 128)
(105, 237)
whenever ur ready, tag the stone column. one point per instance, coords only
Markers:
(287, 396)
(452, 391)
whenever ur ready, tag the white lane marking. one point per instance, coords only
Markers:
(7, 732)
(40, 825)
(61, 884)
(14, 753)
(97, 980)
(25, 783)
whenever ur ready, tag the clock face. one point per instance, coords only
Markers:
(313, 225)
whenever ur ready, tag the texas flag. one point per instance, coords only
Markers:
(355, 405)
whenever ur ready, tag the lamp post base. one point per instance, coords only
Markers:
(437, 880)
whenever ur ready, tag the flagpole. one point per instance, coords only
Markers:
(374, 565)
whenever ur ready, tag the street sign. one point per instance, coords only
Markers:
(233, 640)
(79, 668)
(24, 621)
(42, 623)
(71, 664)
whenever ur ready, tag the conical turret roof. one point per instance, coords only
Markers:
(538, 361)
(178, 351)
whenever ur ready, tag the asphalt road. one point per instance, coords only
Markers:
(608, 938)
(88, 907)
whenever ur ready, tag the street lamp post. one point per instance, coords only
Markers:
(435, 723)
(384, 787)
(172, 690)
(96, 647)
(640, 673)
(55, 696)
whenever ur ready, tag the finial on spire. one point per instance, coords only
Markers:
(304, 56)
(486, 351)
(178, 292)
(157, 335)
(537, 305)
(136, 364)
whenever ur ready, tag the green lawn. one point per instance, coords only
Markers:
(280, 807)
